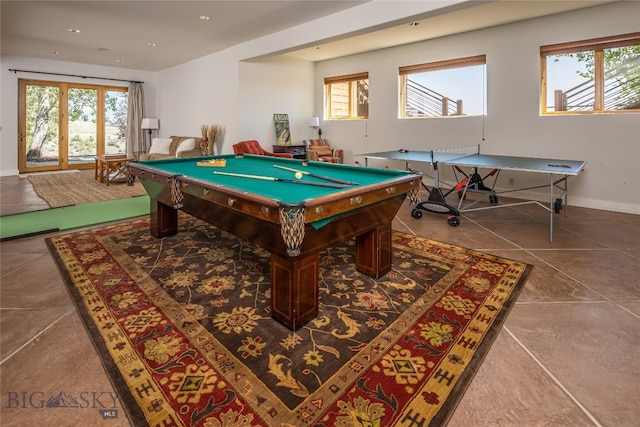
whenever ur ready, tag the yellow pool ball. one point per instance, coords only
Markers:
(298, 175)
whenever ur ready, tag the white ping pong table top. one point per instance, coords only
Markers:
(490, 161)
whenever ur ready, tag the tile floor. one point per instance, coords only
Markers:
(568, 354)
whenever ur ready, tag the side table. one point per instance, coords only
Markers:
(112, 168)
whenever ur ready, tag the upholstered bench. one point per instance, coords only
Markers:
(175, 146)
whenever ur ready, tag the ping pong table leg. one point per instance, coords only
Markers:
(436, 201)
(556, 203)
(551, 208)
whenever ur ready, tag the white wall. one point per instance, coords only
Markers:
(200, 92)
(513, 125)
(9, 94)
(242, 96)
(288, 91)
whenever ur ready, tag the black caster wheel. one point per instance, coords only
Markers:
(493, 199)
(557, 206)
(416, 213)
(453, 221)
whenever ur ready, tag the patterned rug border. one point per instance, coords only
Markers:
(129, 405)
(194, 329)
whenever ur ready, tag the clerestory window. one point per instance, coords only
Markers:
(347, 97)
(455, 87)
(591, 76)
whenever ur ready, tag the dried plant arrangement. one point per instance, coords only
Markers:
(213, 133)
(204, 145)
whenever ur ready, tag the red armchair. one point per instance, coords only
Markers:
(253, 147)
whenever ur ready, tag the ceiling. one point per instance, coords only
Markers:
(154, 35)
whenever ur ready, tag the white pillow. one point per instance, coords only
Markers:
(186, 145)
(160, 146)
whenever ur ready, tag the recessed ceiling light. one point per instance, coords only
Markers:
(151, 44)
(119, 60)
(203, 18)
(55, 52)
(73, 30)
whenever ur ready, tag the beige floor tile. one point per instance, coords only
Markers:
(633, 307)
(591, 348)
(26, 245)
(19, 326)
(610, 233)
(546, 283)
(467, 234)
(60, 360)
(608, 272)
(537, 235)
(11, 262)
(37, 285)
(510, 389)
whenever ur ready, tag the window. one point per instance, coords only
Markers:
(347, 96)
(455, 87)
(599, 75)
(65, 125)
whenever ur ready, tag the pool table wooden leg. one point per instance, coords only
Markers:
(294, 289)
(163, 219)
(373, 251)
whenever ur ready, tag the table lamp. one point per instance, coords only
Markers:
(150, 124)
(314, 122)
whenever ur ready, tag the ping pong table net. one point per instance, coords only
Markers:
(445, 155)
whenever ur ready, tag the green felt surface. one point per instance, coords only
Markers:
(264, 166)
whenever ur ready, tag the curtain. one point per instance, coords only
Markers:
(136, 142)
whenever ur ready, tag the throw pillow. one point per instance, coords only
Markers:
(186, 145)
(160, 146)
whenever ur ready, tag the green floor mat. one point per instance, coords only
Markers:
(68, 217)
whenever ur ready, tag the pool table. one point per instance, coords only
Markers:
(294, 218)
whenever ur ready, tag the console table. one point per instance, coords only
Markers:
(299, 151)
(112, 168)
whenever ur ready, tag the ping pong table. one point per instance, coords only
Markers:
(469, 157)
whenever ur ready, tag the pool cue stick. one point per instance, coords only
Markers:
(328, 178)
(273, 178)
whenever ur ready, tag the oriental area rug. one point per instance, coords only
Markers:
(184, 329)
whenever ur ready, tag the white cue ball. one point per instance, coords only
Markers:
(298, 175)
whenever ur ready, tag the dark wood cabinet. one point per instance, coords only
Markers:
(299, 151)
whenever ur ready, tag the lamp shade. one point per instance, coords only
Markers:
(149, 124)
(314, 122)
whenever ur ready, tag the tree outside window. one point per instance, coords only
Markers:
(600, 75)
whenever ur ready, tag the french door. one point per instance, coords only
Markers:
(65, 125)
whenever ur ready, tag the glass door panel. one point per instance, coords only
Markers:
(115, 126)
(42, 127)
(82, 125)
